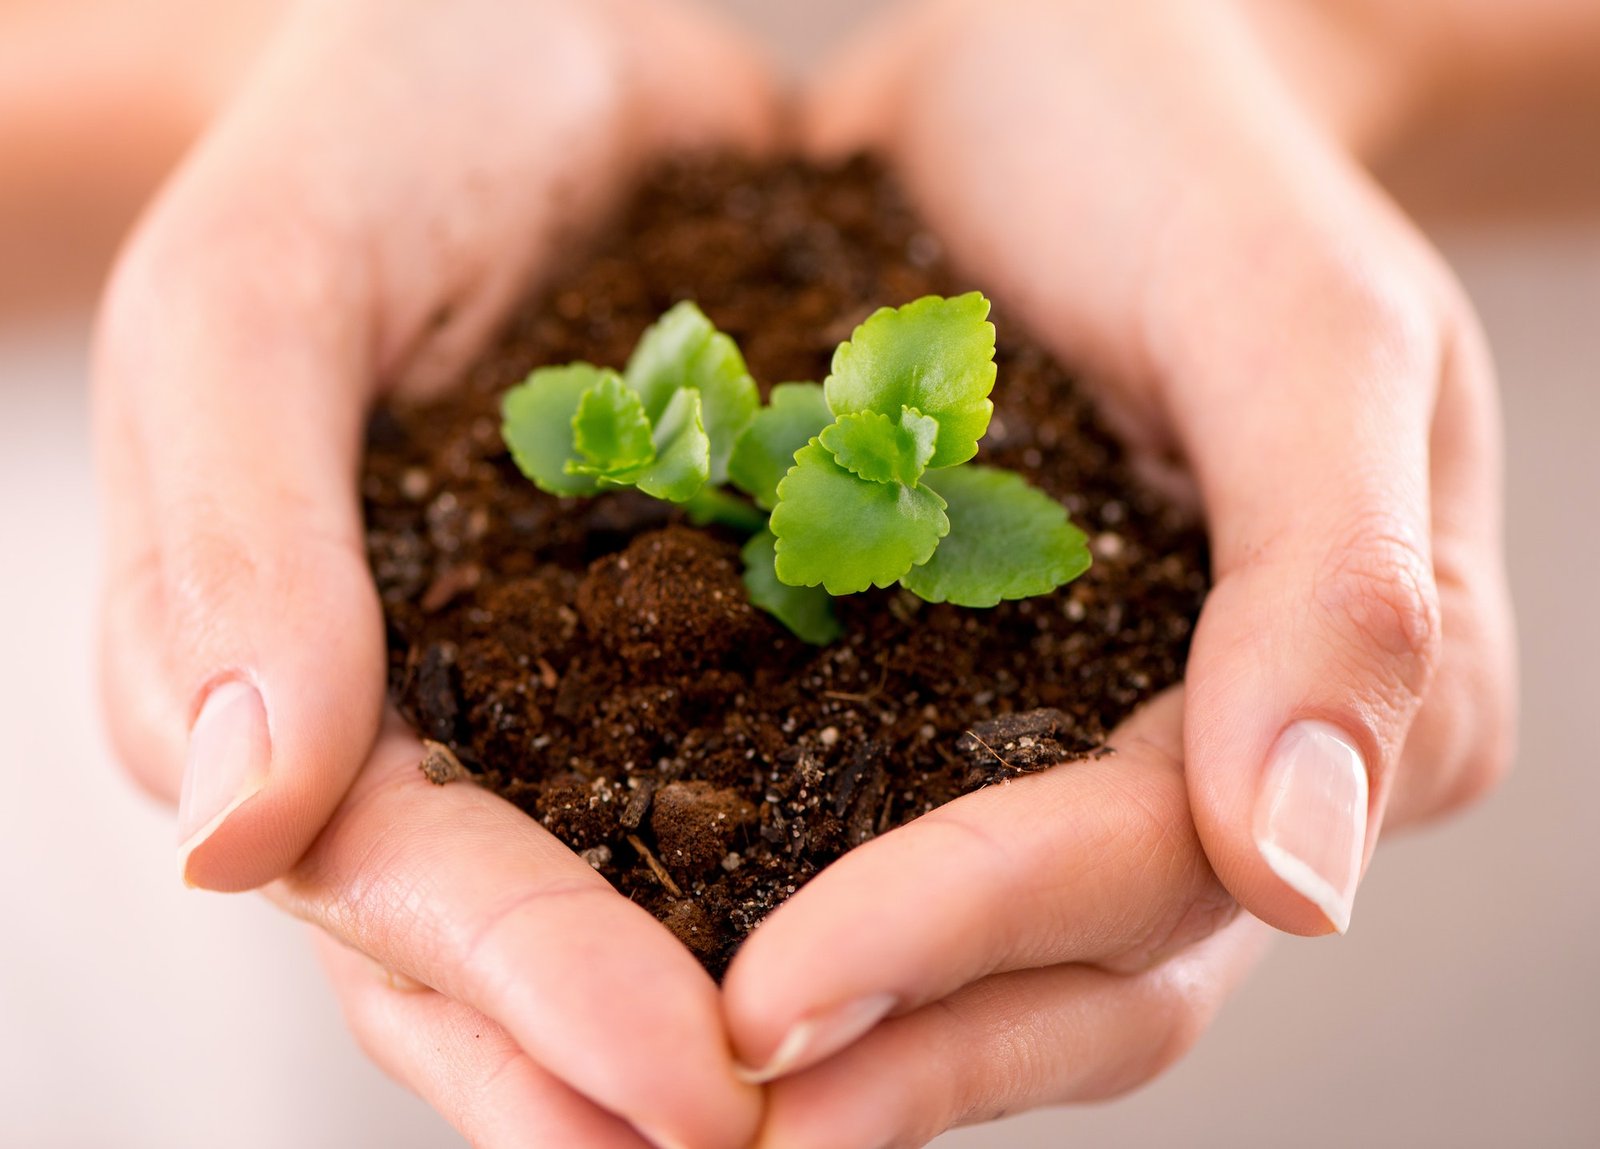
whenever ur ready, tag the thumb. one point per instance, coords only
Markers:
(242, 634)
(1304, 405)
(314, 245)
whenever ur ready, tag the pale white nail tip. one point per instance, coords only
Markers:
(661, 1142)
(1308, 884)
(788, 1052)
(1310, 820)
(815, 1038)
(198, 838)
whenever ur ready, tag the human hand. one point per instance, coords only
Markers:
(358, 222)
(1139, 183)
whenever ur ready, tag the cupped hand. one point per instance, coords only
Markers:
(389, 182)
(1142, 186)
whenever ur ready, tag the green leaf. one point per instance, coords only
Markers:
(681, 350)
(536, 423)
(847, 533)
(1007, 540)
(935, 356)
(683, 452)
(610, 431)
(805, 610)
(881, 449)
(795, 413)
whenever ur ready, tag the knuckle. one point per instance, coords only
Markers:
(1153, 822)
(1189, 1010)
(1379, 588)
(1484, 759)
(1205, 908)
(485, 951)
(221, 270)
(207, 567)
(1182, 1003)
(1397, 324)
(1485, 658)
(139, 736)
(1180, 1010)
(1479, 776)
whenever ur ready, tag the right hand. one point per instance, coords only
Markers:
(359, 222)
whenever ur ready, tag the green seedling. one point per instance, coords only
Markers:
(865, 480)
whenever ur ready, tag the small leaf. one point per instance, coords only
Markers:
(1007, 540)
(935, 356)
(683, 453)
(681, 350)
(881, 449)
(610, 431)
(847, 533)
(536, 423)
(805, 610)
(795, 413)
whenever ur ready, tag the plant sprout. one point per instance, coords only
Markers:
(865, 480)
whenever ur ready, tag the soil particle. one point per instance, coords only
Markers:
(597, 662)
(695, 824)
(674, 599)
(1016, 744)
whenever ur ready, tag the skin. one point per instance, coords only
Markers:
(385, 231)
(1255, 312)
(1173, 196)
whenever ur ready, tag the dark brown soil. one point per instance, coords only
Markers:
(597, 662)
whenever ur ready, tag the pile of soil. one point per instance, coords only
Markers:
(597, 661)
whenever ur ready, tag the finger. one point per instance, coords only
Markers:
(1305, 411)
(247, 643)
(734, 103)
(463, 1064)
(1089, 861)
(464, 893)
(1463, 739)
(851, 99)
(1015, 1041)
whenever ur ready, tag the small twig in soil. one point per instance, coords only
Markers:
(638, 803)
(448, 585)
(655, 865)
(440, 764)
(845, 696)
(991, 750)
(547, 674)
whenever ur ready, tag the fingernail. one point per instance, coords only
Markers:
(820, 1036)
(393, 979)
(229, 751)
(660, 1142)
(1311, 816)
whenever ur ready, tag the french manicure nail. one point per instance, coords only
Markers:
(1311, 816)
(821, 1035)
(660, 1142)
(229, 752)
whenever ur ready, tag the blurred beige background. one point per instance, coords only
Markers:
(1461, 1011)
